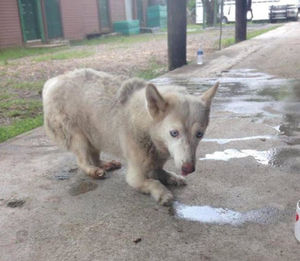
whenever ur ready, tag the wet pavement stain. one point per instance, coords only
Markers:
(66, 174)
(15, 203)
(285, 158)
(291, 140)
(21, 236)
(82, 187)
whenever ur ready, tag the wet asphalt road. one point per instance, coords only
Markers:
(238, 205)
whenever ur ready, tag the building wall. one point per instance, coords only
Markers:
(79, 18)
(91, 17)
(72, 19)
(10, 26)
(117, 10)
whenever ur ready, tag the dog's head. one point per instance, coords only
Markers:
(179, 123)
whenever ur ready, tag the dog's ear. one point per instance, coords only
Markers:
(209, 94)
(155, 102)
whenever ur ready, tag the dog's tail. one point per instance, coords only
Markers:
(129, 87)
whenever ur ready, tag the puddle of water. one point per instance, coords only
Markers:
(292, 140)
(224, 216)
(262, 157)
(285, 157)
(224, 141)
(82, 187)
(289, 134)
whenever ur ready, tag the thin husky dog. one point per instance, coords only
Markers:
(89, 112)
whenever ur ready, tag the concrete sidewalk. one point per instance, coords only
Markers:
(275, 52)
(241, 208)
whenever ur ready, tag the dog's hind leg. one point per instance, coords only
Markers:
(87, 156)
(168, 178)
(137, 178)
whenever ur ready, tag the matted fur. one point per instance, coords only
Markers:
(87, 112)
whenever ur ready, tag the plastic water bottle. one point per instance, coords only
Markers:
(200, 57)
(297, 223)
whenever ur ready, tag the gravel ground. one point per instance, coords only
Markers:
(117, 58)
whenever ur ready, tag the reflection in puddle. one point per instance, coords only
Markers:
(222, 216)
(224, 141)
(262, 157)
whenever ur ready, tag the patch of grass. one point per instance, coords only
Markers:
(19, 113)
(194, 28)
(15, 53)
(227, 42)
(20, 108)
(25, 85)
(153, 70)
(20, 126)
(230, 41)
(190, 28)
(65, 55)
(255, 33)
(5, 96)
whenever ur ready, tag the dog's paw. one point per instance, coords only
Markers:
(110, 165)
(166, 199)
(176, 180)
(98, 173)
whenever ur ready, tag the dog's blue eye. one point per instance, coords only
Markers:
(199, 134)
(174, 133)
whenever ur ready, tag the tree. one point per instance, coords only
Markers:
(240, 20)
(211, 8)
(191, 5)
(191, 11)
(176, 33)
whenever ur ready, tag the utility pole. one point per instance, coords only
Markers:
(176, 33)
(240, 20)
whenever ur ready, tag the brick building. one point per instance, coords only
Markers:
(22, 21)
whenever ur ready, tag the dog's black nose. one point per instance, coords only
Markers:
(187, 168)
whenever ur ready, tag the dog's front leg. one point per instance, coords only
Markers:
(137, 178)
(168, 178)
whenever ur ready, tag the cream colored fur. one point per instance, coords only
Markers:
(88, 112)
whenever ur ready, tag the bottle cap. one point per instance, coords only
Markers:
(200, 52)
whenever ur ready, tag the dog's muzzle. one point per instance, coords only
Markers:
(187, 168)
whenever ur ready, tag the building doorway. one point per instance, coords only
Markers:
(104, 16)
(31, 20)
(53, 19)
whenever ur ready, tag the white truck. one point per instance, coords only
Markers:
(261, 10)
